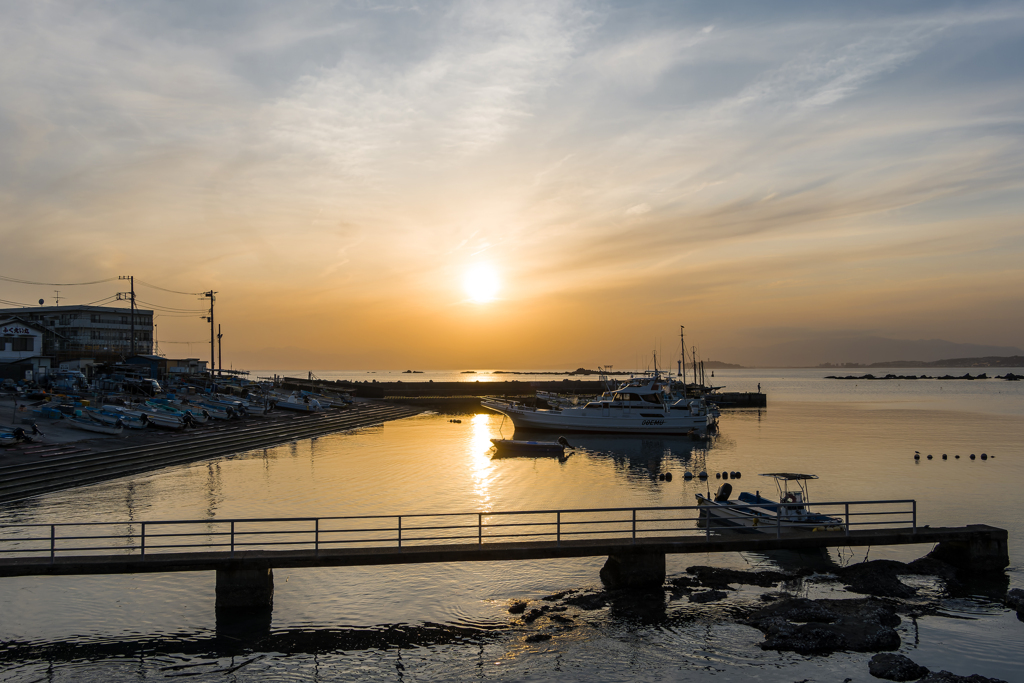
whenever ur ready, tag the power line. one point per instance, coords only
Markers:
(197, 311)
(54, 284)
(13, 303)
(172, 291)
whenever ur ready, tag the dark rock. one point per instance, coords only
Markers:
(895, 668)
(822, 626)
(561, 620)
(716, 577)
(771, 597)
(538, 637)
(588, 601)
(878, 578)
(947, 677)
(517, 607)
(555, 596)
(708, 596)
(533, 615)
(1015, 599)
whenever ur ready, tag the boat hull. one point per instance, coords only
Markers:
(575, 420)
(725, 516)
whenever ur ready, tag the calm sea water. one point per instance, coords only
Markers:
(450, 621)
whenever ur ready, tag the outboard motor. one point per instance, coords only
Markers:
(724, 491)
(564, 441)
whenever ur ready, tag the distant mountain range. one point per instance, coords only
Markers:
(868, 351)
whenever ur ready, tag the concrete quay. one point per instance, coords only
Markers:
(66, 458)
(466, 395)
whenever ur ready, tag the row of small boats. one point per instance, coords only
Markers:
(177, 414)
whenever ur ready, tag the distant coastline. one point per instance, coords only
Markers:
(983, 362)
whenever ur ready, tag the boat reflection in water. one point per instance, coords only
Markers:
(651, 455)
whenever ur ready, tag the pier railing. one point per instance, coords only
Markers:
(318, 534)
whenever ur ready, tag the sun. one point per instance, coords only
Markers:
(481, 283)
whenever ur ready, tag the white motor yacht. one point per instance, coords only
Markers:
(638, 406)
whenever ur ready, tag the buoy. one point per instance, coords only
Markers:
(943, 456)
(702, 475)
(725, 475)
(957, 457)
(984, 457)
(917, 456)
(718, 475)
(929, 457)
(661, 477)
(972, 456)
(737, 474)
(687, 476)
(668, 476)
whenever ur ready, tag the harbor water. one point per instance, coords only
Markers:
(451, 621)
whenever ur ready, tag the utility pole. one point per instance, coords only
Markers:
(131, 298)
(213, 358)
(220, 358)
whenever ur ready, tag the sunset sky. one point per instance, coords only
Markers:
(757, 171)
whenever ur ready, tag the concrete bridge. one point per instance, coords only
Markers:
(244, 552)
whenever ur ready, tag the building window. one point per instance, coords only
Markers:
(23, 344)
(95, 318)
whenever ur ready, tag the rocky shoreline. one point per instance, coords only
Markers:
(864, 622)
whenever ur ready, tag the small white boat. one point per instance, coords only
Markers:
(93, 426)
(752, 512)
(300, 403)
(512, 448)
(111, 415)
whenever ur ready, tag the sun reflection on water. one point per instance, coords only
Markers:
(480, 459)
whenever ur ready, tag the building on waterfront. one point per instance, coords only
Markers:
(21, 348)
(102, 333)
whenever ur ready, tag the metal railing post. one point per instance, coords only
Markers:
(142, 540)
(558, 527)
(778, 521)
(634, 525)
(847, 519)
(232, 539)
(913, 504)
(707, 521)
(53, 542)
(316, 537)
(399, 531)
(480, 528)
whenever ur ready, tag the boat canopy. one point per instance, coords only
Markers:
(790, 476)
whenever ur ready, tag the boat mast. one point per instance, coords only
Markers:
(693, 355)
(682, 361)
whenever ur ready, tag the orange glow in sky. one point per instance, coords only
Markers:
(540, 185)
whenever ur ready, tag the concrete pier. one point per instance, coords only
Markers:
(634, 570)
(245, 589)
(975, 554)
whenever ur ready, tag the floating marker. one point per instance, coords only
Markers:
(687, 476)
(702, 475)
(668, 476)
(718, 475)
(957, 457)
(929, 457)
(984, 457)
(943, 456)
(917, 456)
(661, 477)
(972, 456)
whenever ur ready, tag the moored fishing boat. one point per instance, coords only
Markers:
(752, 512)
(513, 448)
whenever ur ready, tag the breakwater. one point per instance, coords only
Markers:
(104, 459)
(466, 395)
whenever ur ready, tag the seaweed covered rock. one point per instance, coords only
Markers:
(822, 626)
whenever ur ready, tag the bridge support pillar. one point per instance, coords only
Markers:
(246, 589)
(981, 553)
(634, 570)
